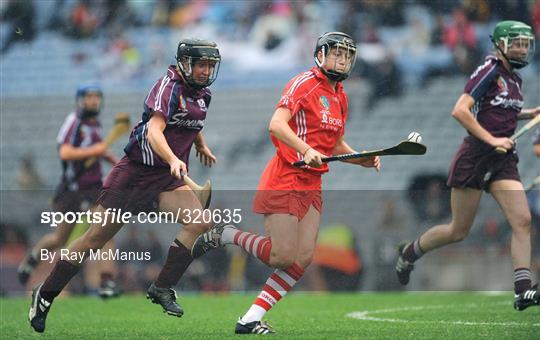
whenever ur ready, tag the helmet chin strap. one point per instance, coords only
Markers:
(321, 63)
(86, 114)
(188, 75)
(332, 75)
(515, 63)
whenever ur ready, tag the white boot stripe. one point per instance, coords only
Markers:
(45, 302)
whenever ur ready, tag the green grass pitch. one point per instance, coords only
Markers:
(324, 316)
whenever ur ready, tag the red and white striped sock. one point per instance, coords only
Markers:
(277, 285)
(257, 245)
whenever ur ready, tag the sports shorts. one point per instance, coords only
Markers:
(474, 160)
(135, 187)
(284, 189)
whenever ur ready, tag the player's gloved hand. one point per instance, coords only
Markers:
(313, 158)
(205, 155)
(178, 168)
(503, 142)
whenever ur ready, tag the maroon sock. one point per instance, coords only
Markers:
(412, 251)
(522, 280)
(61, 274)
(178, 260)
(106, 276)
(32, 260)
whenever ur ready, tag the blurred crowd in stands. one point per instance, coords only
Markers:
(402, 43)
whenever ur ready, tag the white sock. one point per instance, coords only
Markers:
(227, 237)
(275, 288)
(255, 313)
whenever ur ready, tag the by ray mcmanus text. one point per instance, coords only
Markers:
(94, 255)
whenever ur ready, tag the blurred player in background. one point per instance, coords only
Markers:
(537, 143)
(79, 139)
(534, 201)
(308, 123)
(489, 110)
(152, 172)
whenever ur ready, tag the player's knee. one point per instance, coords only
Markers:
(281, 261)
(522, 223)
(55, 241)
(458, 235)
(198, 228)
(60, 240)
(305, 258)
(93, 241)
(304, 262)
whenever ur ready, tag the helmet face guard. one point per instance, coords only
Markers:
(192, 51)
(518, 42)
(81, 93)
(338, 49)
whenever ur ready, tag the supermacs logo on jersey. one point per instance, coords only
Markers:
(179, 119)
(501, 99)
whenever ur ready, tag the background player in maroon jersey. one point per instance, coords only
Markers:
(151, 171)
(79, 139)
(534, 200)
(537, 143)
(489, 110)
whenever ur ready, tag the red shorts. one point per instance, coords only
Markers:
(285, 189)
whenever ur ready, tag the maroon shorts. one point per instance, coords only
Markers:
(74, 201)
(474, 160)
(135, 187)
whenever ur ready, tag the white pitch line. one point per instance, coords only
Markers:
(367, 316)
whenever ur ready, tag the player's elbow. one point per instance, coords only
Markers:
(274, 127)
(537, 150)
(153, 136)
(461, 114)
(65, 153)
(456, 113)
(63, 156)
(462, 109)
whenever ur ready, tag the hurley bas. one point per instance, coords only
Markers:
(95, 255)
